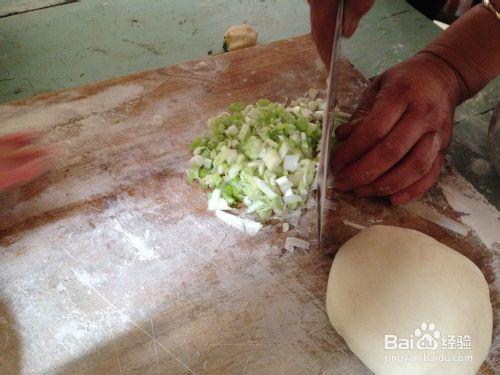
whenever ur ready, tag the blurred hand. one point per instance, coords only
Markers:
(323, 14)
(395, 142)
(20, 160)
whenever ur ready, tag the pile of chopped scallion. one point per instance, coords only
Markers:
(262, 158)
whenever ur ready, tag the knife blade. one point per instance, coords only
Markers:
(328, 119)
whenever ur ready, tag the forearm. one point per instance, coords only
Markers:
(471, 46)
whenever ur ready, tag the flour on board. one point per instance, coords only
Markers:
(46, 115)
(479, 214)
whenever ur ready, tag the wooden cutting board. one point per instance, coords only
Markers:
(111, 263)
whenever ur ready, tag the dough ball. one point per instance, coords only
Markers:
(238, 37)
(406, 304)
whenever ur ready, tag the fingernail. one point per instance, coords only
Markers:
(54, 151)
(346, 27)
(350, 28)
(41, 163)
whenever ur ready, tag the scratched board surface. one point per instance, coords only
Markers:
(12, 7)
(112, 264)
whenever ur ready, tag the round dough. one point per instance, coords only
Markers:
(390, 287)
(238, 37)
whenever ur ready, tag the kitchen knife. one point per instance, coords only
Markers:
(328, 119)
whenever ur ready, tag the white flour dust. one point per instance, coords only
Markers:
(87, 279)
(479, 214)
(142, 250)
(44, 116)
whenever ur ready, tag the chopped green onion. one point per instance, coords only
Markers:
(264, 156)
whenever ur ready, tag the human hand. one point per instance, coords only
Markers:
(323, 22)
(395, 142)
(21, 160)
